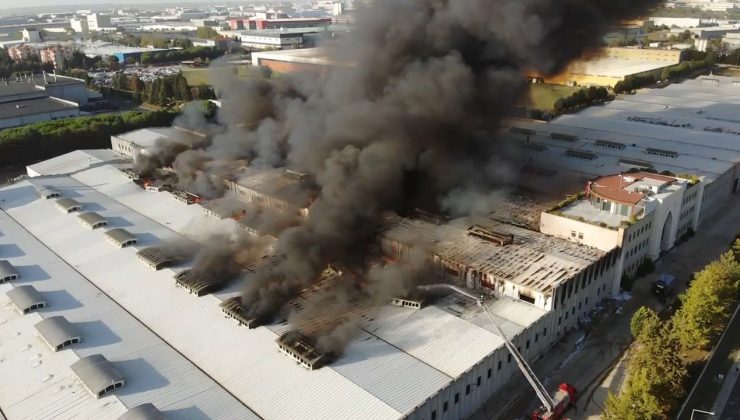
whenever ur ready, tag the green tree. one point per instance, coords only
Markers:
(708, 303)
(656, 374)
(205, 32)
(644, 320)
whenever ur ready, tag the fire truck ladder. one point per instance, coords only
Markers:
(539, 389)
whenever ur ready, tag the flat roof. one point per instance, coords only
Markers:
(387, 370)
(72, 162)
(697, 120)
(616, 67)
(36, 84)
(46, 386)
(319, 56)
(148, 137)
(34, 106)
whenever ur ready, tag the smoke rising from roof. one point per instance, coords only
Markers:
(416, 115)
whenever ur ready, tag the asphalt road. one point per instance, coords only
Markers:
(732, 409)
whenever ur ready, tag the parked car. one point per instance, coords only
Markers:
(664, 287)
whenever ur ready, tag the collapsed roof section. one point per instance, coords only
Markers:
(233, 308)
(301, 348)
(98, 375)
(58, 333)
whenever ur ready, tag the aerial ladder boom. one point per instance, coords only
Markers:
(539, 389)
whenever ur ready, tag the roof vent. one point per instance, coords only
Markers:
(26, 299)
(98, 375)
(157, 258)
(490, 235)
(58, 333)
(120, 237)
(233, 309)
(8, 272)
(47, 192)
(196, 285)
(92, 220)
(68, 205)
(301, 348)
(564, 137)
(407, 302)
(581, 154)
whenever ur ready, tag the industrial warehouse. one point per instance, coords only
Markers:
(151, 345)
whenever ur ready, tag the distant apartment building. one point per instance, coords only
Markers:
(98, 22)
(56, 55)
(257, 23)
(79, 25)
(22, 53)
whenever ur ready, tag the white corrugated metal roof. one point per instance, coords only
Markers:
(72, 162)
(695, 104)
(38, 383)
(401, 358)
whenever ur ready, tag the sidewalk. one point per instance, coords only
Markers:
(727, 386)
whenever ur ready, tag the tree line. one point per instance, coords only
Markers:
(43, 140)
(204, 54)
(657, 372)
(582, 98)
(162, 91)
(697, 61)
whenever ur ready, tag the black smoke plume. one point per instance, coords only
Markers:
(415, 115)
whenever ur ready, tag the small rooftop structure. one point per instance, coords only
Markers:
(301, 348)
(92, 220)
(120, 237)
(233, 308)
(185, 197)
(197, 285)
(7, 272)
(98, 375)
(407, 302)
(145, 411)
(47, 192)
(157, 258)
(26, 299)
(58, 333)
(68, 205)
(628, 188)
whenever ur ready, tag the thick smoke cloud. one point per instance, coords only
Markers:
(415, 115)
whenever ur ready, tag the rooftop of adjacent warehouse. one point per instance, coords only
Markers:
(34, 106)
(365, 382)
(668, 119)
(39, 383)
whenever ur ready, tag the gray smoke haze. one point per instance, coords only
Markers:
(416, 115)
